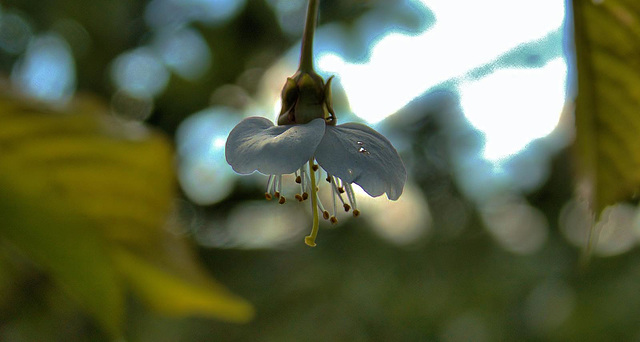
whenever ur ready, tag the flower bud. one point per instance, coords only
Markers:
(306, 97)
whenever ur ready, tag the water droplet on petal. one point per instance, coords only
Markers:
(361, 148)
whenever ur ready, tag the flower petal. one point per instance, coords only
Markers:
(256, 144)
(358, 154)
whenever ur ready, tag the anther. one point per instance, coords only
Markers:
(341, 190)
(347, 207)
(328, 179)
(333, 220)
(268, 196)
(356, 212)
(276, 194)
(325, 215)
(305, 196)
(282, 200)
(299, 198)
(315, 167)
(298, 179)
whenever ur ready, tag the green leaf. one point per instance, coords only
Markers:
(607, 38)
(167, 293)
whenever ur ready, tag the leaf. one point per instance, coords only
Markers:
(607, 38)
(119, 176)
(167, 293)
(85, 189)
(77, 258)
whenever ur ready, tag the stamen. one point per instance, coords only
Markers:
(315, 167)
(298, 179)
(299, 198)
(303, 181)
(274, 187)
(311, 239)
(321, 207)
(282, 200)
(333, 218)
(336, 190)
(333, 195)
(305, 196)
(350, 195)
(352, 200)
(339, 184)
(318, 180)
(279, 188)
(268, 191)
(347, 207)
(309, 181)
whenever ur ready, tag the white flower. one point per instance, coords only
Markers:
(348, 153)
(306, 133)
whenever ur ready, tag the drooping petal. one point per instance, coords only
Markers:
(256, 144)
(358, 154)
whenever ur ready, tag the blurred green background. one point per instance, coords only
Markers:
(112, 130)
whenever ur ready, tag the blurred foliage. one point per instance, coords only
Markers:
(87, 204)
(36, 223)
(87, 198)
(607, 36)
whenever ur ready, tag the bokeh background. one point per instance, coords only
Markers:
(485, 244)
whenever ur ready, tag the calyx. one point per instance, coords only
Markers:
(306, 97)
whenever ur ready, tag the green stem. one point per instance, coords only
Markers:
(311, 239)
(306, 54)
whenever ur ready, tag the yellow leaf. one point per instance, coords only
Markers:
(607, 37)
(76, 257)
(87, 183)
(119, 176)
(172, 295)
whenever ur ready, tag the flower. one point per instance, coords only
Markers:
(306, 134)
(352, 153)
(348, 153)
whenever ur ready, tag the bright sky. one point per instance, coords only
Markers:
(466, 35)
(514, 106)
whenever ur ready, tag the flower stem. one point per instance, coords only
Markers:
(306, 54)
(311, 239)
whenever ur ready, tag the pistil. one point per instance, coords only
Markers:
(311, 239)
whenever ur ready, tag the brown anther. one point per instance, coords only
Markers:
(305, 196)
(347, 207)
(299, 198)
(268, 196)
(276, 195)
(341, 190)
(333, 220)
(282, 200)
(328, 180)
(325, 215)
(298, 179)
(356, 213)
(315, 167)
